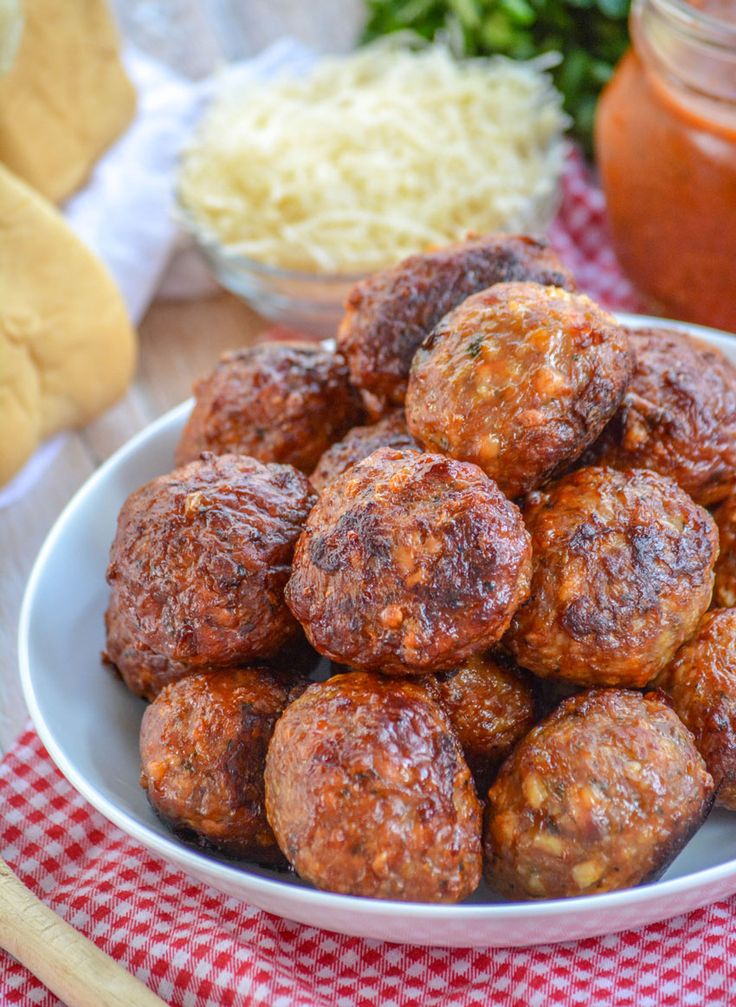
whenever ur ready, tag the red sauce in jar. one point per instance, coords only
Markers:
(667, 156)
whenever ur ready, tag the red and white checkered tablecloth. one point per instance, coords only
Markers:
(580, 237)
(197, 948)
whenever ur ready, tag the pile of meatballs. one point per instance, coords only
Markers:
(491, 521)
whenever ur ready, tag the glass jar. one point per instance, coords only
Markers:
(666, 148)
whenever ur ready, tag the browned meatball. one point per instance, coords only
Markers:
(622, 573)
(358, 443)
(678, 416)
(278, 402)
(519, 379)
(724, 592)
(601, 795)
(203, 754)
(390, 313)
(198, 568)
(490, 707)
(368, 793)
(143, 670)
(701, 682)
(409, 563)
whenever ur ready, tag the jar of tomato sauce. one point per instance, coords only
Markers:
(666, 148)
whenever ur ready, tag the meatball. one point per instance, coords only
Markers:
(724, 592)
(519, 379)
(390, 432)
(203, 754)
(144, 671)
(490, 707)
(368, 793)
(409, 563)
(278, 402)
(622, 573)
(701, 683)
(678, 416)
(389, 314)
(602, 794)
(198, 569)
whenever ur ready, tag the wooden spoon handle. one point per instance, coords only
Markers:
(66, 962)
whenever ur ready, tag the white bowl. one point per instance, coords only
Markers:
(89, 724)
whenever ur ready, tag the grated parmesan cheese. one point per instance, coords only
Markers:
(373, 156)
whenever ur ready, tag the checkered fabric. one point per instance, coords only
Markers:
(580, 237)
(197, 948)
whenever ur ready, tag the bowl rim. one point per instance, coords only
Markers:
(172, 850)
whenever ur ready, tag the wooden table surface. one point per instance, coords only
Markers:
(179, 341)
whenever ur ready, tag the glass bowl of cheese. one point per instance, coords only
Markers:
(308, 302)
(296, 187)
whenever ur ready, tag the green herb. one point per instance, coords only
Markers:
(475, 345)
(591, 36)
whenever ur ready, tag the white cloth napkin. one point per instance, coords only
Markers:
(125, 212)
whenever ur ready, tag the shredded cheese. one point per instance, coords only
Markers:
(373, 156)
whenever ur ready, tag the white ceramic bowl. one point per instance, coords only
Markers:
(89, 723)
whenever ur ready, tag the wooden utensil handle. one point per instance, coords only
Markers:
(66, 962)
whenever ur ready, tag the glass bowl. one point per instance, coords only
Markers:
(313, 303)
